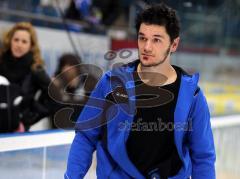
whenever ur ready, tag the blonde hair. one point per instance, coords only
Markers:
(37, 59)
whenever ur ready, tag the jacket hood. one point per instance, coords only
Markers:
(122, 71)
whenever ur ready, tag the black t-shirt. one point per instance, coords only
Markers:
(150, 144)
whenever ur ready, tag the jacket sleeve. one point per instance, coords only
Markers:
(84, 143)
(42, 79)
(37, 103)
(202, 149)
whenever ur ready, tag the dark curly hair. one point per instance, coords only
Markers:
(160, 14)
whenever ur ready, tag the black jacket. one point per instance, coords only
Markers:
(33, 84)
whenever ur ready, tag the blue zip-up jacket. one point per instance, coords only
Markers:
(100, 127)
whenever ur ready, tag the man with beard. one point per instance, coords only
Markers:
(146, 119)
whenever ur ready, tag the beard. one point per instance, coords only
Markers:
(158, 62)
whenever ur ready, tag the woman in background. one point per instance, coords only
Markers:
(21, 63)
(67, 76)
(74, 83)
